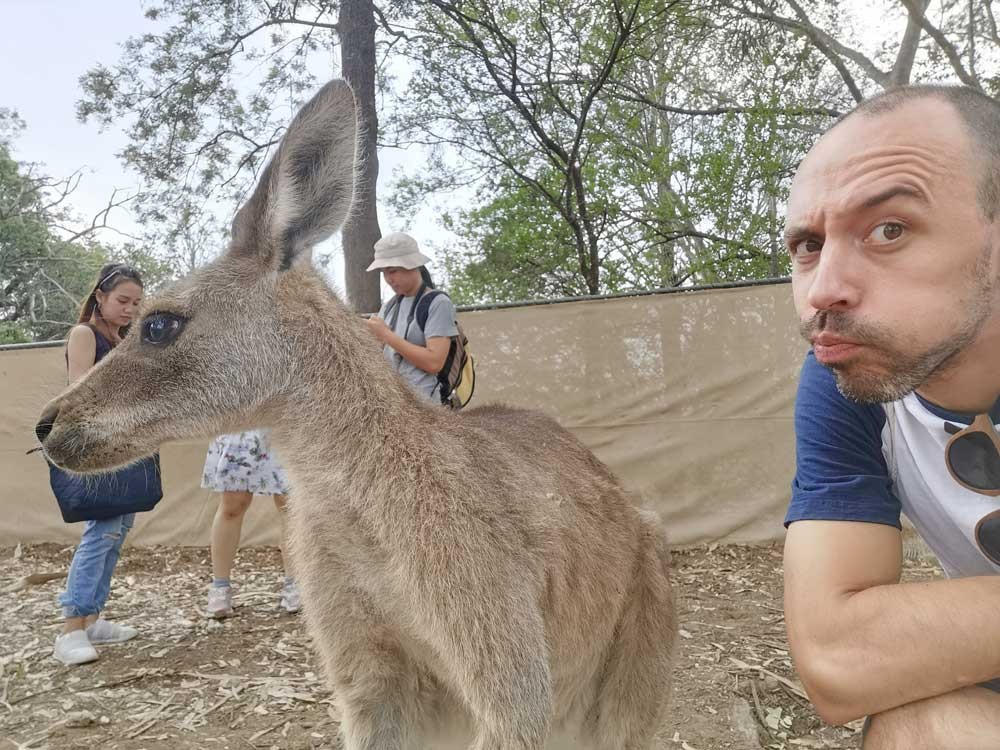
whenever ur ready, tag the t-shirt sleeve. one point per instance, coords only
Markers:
(441, 318)
(840, 471)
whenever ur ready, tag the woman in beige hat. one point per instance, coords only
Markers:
(417, 353)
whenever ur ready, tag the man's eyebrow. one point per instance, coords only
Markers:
(907, 191)
(794, 235)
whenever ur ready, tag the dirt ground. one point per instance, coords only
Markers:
(252, 681)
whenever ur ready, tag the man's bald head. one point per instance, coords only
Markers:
(979, 113)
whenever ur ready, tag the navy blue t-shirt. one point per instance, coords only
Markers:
(840, 469)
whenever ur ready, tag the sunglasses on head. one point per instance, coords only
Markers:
(973, 459)
(121, 270)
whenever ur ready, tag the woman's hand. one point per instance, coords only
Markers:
(379, 328)
(429, 358)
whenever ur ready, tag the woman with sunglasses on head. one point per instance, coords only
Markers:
(104, 319)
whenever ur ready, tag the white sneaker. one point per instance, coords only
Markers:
(103, 631)
(220, 602)
(291, 598)
(74, 648)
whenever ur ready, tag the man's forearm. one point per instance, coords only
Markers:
(890, 645)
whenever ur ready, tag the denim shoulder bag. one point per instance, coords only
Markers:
(134, 488)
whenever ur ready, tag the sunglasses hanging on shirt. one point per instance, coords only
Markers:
(973, 459)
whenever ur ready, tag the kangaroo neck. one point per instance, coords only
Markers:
(346, 409)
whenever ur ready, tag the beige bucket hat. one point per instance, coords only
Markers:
(398, 250)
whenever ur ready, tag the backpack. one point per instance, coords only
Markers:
(457, 377)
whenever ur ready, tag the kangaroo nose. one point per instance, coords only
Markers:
(44, 426)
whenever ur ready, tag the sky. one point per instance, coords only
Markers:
(56, 42)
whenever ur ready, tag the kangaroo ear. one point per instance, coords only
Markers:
(305, 192)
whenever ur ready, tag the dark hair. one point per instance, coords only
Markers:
(109, 277)
(979, 113)
(425, 275)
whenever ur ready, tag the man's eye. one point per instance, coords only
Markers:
(160, 329)
(887, 231)
(807, 247)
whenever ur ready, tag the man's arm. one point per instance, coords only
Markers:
(864, 643)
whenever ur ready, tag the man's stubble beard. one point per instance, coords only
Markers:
(901, 372)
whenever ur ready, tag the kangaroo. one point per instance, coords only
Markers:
(474, 579)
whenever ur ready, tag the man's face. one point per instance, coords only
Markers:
(893, 263)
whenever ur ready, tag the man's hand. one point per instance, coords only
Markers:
(379, 328)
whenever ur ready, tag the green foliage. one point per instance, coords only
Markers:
(12, 333)
(204, 97)
(513, 247)
(43, 277)
(677, 167)
(593, 146)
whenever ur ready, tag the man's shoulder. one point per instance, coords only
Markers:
(841, 472)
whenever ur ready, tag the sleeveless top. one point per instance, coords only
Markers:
(103, 346)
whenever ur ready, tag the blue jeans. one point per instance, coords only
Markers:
(89, 581)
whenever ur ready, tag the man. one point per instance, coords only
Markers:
(894, 238)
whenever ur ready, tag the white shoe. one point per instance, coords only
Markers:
(103, 631)
(74, 648)
(220, 602)
(291, 598)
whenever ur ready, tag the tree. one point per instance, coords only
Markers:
(597, 147)
(48, 258)
(923, 40)
(517, 87)
(682, 145)
(362, 231)
(206, 97)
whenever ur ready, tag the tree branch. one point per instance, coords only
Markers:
(916, 11)
(639, 98)
(831, 48)
(57, 285)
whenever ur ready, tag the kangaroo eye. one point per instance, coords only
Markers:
(160, 329)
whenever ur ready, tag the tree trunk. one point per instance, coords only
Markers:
(357, 55)
(776, 248)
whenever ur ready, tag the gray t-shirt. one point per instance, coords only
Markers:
(440, 322)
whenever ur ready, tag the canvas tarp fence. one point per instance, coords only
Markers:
(688, 397)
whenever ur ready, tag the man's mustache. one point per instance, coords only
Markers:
(841, 324)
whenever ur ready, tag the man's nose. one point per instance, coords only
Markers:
(834, 284)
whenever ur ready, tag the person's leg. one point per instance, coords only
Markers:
(226, 529)
(83, 583)
(291, 598)
(281, 505)
(111, 561)
(968, 719)
(98, 629)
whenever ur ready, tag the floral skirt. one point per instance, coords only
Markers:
(243, 462)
